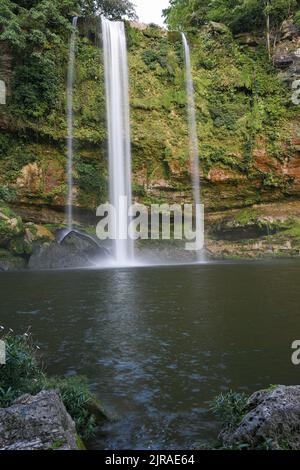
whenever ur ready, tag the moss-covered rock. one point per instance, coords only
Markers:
(11, 226)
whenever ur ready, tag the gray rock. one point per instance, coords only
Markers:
(219, 28)
(248, 39)
(56, 256)
(289, 30)
(287, 54)
(37, 422)
(284, 60)
(273, 417)
(73, 250)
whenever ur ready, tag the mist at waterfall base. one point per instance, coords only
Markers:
(124, 251)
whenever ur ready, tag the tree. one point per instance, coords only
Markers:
(240, 15)
(37, 35)
(111, 9)
(184, 13)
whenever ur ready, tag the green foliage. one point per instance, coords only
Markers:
(19, 246)
(92, 181)
(36, 85)
(38, 35)
(239, 15)
(111, 9)
(22, 373)
(9, 231)
(293, 229)
(21, 370)
(77, 400)
(246, 216)
(14, 155)
(7, 194)
(230, 408)
(152, 58)
(182, 14)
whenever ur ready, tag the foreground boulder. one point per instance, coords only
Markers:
(38, 422)
(272, 421)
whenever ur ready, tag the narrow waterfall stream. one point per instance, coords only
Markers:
(70, 139)
(193, 138)
(117, 106)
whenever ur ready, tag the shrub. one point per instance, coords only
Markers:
(152, 58)
(230, 407)
(77, 399)
(22, 373)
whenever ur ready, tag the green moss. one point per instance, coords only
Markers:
(57, 444)
(5, 254)
(19, 246)
(80, 443)
(293, 229)
(246, 216)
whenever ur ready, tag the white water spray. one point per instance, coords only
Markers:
(117, 106)
(70, 138)
(193, 139)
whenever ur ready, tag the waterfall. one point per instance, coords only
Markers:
(117, 109)
(193, 139)
(70, 86)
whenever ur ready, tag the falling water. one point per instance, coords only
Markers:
(70, 86)
(193, 139)
(117, 105)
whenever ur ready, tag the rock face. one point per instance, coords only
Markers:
(273, 418)
(236, 170)
(287, 52)
(38, 422)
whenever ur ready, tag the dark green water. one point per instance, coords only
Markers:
(158, 343)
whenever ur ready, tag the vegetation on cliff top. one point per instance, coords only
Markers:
(239, 15)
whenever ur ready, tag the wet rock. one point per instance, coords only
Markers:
(38, 422)
(72, 250)
(56, 256)
(272, 418)
(79, 240)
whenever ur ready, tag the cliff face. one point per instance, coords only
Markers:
(248, 126)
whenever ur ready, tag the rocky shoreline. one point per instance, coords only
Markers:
(268, 420)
